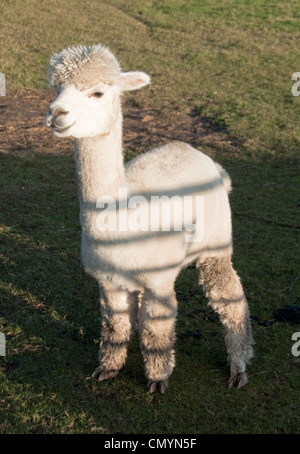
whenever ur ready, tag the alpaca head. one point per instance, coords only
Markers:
(88, 81)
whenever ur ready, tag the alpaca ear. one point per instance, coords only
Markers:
(133, 80)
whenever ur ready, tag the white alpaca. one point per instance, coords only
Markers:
(125, 243)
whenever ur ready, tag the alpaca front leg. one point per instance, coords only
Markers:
(157, 335)
(119, 318)
(225, 293)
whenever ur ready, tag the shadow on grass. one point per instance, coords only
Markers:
(50, 313)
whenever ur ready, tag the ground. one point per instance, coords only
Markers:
(22, 126)
(49, 306)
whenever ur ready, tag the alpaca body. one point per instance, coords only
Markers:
(127, 245)
(160, 172)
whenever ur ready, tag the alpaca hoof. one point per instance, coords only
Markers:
(238, 379)
(101, 374)
(159, 386)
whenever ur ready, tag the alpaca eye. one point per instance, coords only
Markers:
(97, 94)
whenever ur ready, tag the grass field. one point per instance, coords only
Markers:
(230, 63)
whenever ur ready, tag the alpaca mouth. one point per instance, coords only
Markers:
(61, 130)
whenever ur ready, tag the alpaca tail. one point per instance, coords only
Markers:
(225, 177)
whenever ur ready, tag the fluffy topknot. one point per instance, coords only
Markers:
(83, 66)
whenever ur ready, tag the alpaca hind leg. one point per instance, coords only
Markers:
(119, 319)
(157, 335)
(225, 293)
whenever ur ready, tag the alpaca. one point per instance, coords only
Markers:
(135, 261)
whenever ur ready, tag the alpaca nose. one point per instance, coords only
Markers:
(56, 115)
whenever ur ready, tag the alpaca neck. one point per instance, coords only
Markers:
(99, 165)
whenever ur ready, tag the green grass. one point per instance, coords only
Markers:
(233, 62)
(49, 312)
